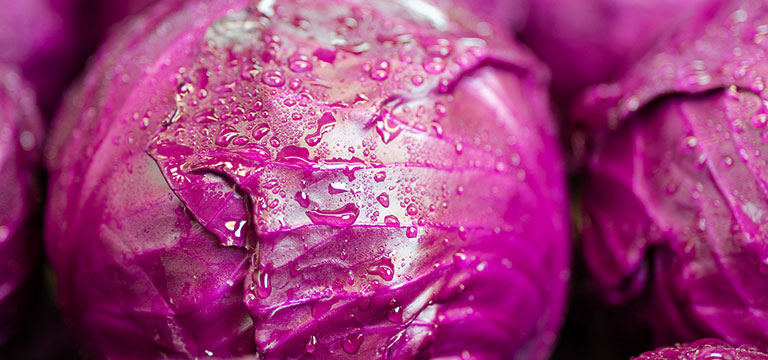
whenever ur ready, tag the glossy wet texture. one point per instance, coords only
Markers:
(314, 180)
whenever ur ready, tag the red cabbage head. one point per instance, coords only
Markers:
(20, 139)
(675, 202)
(704, 349)
(323, 179)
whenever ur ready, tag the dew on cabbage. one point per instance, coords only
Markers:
(295, 191)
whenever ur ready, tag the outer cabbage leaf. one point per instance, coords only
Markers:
(704, 349)
(587, 42)
(310, 180)
(675, 202)
(20, 139)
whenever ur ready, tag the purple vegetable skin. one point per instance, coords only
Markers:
(20, 139)
(586, 42)
(326, 180)
(676, 202)
(704, 349)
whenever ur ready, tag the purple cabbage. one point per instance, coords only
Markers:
(675, 202)
(704, 349)
(39, 37)
(20, 139)
(334, 178)
(587, 42)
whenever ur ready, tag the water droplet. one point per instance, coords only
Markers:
(379, 74)
(274, 142)
(254, 151)
(744, 154)
(337, 188)
(240, 141)
(443, 85)
(360, 98)
(712, 353)
(357, 48)
(387, 127)
(434, 65)
(347, 166)
(226, 134)
(383, 199)
(396, 315)
(206, 116)
(380, 176)
(264, 283)
(325, 124)
(341, 217)
(380, 71)
(437, 46)
(184, 89)
(260, 131)
(412, 209)
(352, 343)
(311, 345)
(672, 188)
(391, 220)
(727, 162)
(461, 259)
(464, 60)
(440, 109)
(302, 198)
(384, 269)
(691, 141)
(417, 80)
(250, 300)
(273, 78)
(459, 148)
(299, 63)
(411, 232)
(758, 121)
(293, 269)
(295, 84)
